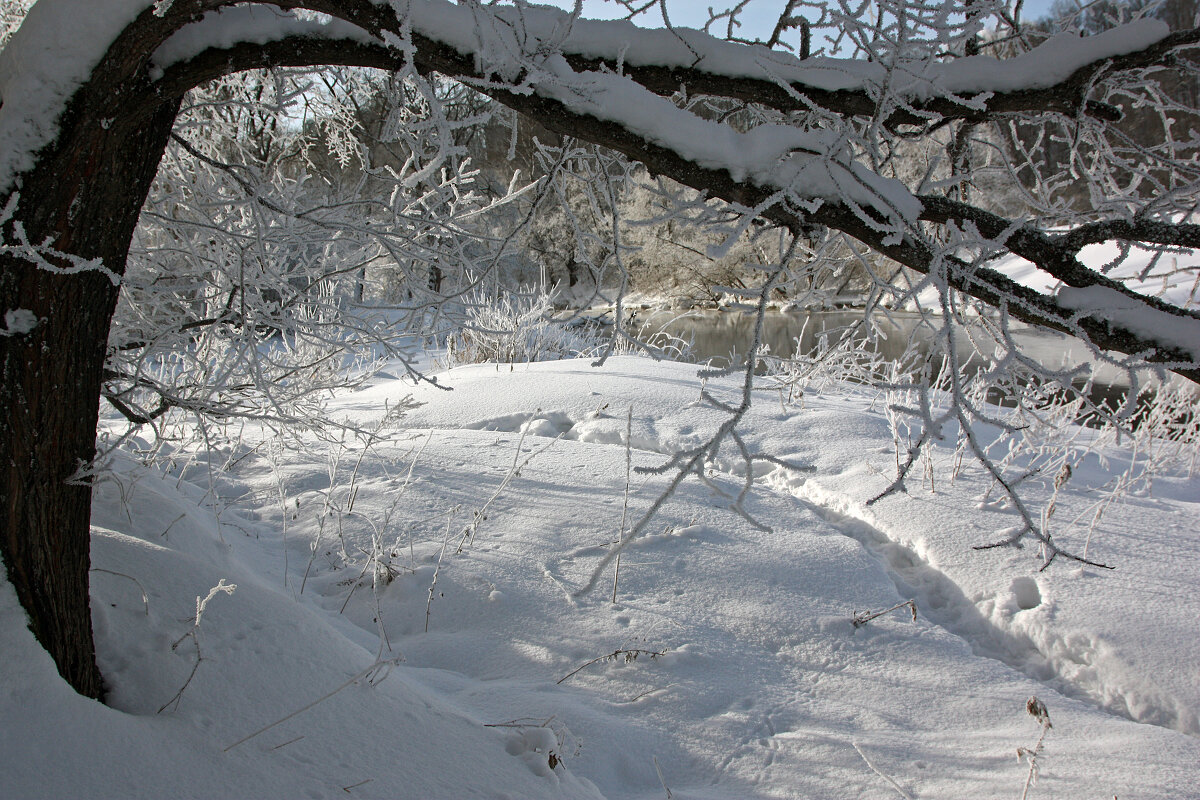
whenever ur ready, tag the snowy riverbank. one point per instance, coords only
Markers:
(763, 687)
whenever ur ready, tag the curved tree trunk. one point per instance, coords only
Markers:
(51, 370)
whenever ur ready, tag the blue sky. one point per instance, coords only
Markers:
(758, 18)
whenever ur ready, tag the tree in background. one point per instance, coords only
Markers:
(280, 196)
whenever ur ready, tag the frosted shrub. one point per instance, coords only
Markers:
(514, 328)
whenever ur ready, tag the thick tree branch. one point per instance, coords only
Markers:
(1055, 254)
(1068, 97)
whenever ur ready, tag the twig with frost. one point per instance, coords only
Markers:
(194, 635)
(564, 739)
(514, 471)
(380, 570)
(693, 461)
(1060, 480)
(625, 505)
(661, 779)
(333, 460)
(630, 655)
(880, 772)
(373, 674)
(436, 570)
(1037, 710)
(142, 589)
(861, 618)
(274, 454)
(378, 559)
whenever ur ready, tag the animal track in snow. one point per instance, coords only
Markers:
(1072, 663)
(1025, 591)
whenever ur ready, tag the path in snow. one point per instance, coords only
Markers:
(943, 601)
(765, 690)
(1065, 662)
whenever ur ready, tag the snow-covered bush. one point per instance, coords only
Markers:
(276, 261)
(515, 328)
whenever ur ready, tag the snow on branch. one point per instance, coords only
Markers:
(813, 149)
(53, 53)
(226, 27)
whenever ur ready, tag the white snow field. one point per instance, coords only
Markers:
(407, 621)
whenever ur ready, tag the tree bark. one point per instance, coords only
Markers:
(84, 198)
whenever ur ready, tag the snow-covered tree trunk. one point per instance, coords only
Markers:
(72, 221)
(82, 199)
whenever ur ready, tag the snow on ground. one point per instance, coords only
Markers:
(459, 545)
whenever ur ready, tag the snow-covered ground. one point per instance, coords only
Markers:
(471, 665)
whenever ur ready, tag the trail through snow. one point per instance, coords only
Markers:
(1065, 662)
(727, 668)
(944, 602)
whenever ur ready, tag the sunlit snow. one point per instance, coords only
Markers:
(456, 671)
